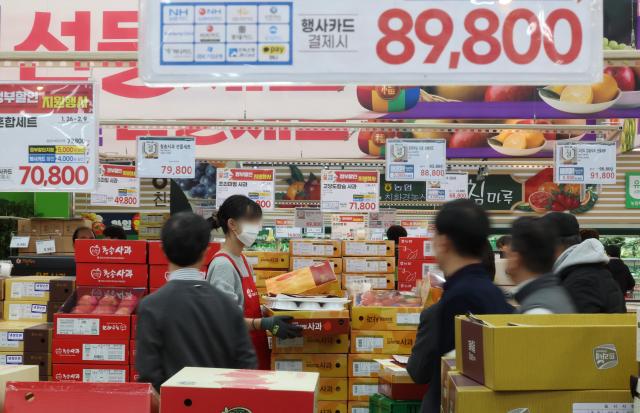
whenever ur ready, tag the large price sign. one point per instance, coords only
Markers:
(455, 186)
(48, 135)
(372, 41)
(350, 191)
(117, 186)
(585, 163)
(257, 184)
(416, 160)
(166, 157)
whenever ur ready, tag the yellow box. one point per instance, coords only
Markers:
(548, 352)
(301, 262)
(31, 310)
(447, 364)
(334, 344)
(368, 248)
(34, 287)
(328, 365)
(16, 373)
(467, 396)
(393, 373)
(333, 389)
(12, 335)
(358, 407)
(385, 318)
(328, 406)
(382, 342)
(266, 274)
(315, 248)
(364, 365)
(268, 260)
(306, 280)
(377, 281)
(377, 265)
(361, 389)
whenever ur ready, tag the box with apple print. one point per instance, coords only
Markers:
(111, 251)
(112, 275)
(90, 350)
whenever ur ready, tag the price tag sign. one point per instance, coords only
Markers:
(382, 219)
(350, 191)
(585, 163)
(416, 160)
(166, 157)
(310, 220)
(285, 229)
(48, 133)
(117, 186)
(47, 246)
(348, 226)
(19, 242)
(455, 186)
(257, 184)
(369, 42)
(417, 228)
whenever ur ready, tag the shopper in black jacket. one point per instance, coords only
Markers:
(619, 269)
(462, 228)
(582, 268)
(189, 323)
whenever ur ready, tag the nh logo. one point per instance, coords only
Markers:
(178, 12)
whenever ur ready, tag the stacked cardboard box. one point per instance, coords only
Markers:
(26, 343)
(34, 298)
(542, 363)
(416, 260)
(307, 253)
(397, 388)
(150, 225)
(59, 230)
(371, 262)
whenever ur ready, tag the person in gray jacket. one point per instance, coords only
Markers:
(530, 262)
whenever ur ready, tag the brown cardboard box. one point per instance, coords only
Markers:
(38, 287)
(364, 365)
(377, 265)
(14, 334)
(37, 337)
(447, 364)
(24, 227)
(328, 406)
(338, 344)
(42, 360)
(361, 389)
(64, 244)
(368, 248)
(548, 352)
(69, 226)
(302, 262)
(48, 226)
(385, 318)
(382, 342)
(61, 288)
(328, 365)
(333, 389)
(268, 260)
(315, 248)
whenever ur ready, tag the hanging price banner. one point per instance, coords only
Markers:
(348, 226)
(166, 157)
(455, 186)
(585, 163)
(350, 191)
(367, 42)
(48, 135)
(417, 227)
(310, 220)
(257, 184)
(117, 186)
(416, 160)
(285, 229)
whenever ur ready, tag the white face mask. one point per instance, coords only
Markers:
(248, 233)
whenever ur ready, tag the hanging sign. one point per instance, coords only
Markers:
(45, 246)
(285, 229)
(632, 190)
(417, 227)
(48, 135)
(371, 41)
(455, 186)
(416, 160)
(310, 220)
(19, 241)
(350, 191)
(256, 184)
(348, 226)
(585, 163)
(166, 157)
(117, 186)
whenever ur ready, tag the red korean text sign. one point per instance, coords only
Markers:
(256, 184)
(350, 191)
(48, 132)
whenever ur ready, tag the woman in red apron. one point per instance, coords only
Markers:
(240, 219)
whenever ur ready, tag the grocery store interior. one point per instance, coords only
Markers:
(414, 206)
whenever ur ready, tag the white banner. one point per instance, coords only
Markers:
(416, 160)
(417, 228)
(350, 191)
(48, 133)
(166, 157)
(256, 184)
(117, 186)
(371, 41)
(585, 163)
(455, 186)
(348, 227)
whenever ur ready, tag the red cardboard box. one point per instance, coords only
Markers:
(221, 390)
(56, 397)
(134, 325)
(112, 275)
(132, 351)
(402, 391)
(158, 275)
(111, 251)
(413, 270)
(90, 373)
(134, 376)
(87, 350)
(415, 249)
(157, 257)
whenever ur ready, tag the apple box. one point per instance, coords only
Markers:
(111, 250)
(157, 257)
(57, 397)
(134, 376)
(158, 275)
(90, 373)
(411, 271)
(112, 275)
(132, 350)
(87, 350)
(201, 390)
(415, 249)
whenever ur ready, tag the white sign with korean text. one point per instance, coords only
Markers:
(371, 41)
(455, 186)
(416, 160)
(417, 228)
(117, 186)
(310, 220)
(285, 229)
(585, 163)
(256, 184)
(350, 191)
(166, 157)
(348, 226)
(47, 246)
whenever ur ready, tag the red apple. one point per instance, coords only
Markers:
(88, 300)
(123, 311)
(104, 309)
(468, 139)
(509, 93)
(550, 136)
(82, 309)
(108, 300)
(624, 76)
(129, 301)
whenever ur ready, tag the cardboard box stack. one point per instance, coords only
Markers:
(150, 225)
(39, 229)
(541, 363)
(370, 262)
(93, 335)
(26, 343)
(307, 253)
(34, 298)
(397, 391)
(415, 260)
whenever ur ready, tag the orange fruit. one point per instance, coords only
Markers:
(556, 88)
(548, 187)
(517, 140)
(535, 139)
(504, 135)
(606, 90)
(577, 94)
(294, 189)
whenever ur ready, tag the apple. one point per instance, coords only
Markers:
(624, 76)
(123, 311)
(88, 299)
(468, 139)
(129, 301)
(509, 93)
(82, 309)
(104, 309)
(550, 136)
(108, 300)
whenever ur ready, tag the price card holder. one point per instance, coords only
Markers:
(585, 163)
(166, 157)
(256, 184)
(416, 160)
(47, 246)
(18, 241)
(350, 191)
